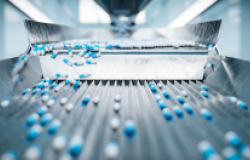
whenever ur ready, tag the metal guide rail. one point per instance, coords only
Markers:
(124, 119)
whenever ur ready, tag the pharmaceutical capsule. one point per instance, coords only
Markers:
(129, 129)
(46, 119)
(49, 80)
(75, 82)
(180, 99)
(230, 154)
(242, 105)
(118, 98)
(46, 48)
(75, 146)
(115, 123)
(50, 103)
(32, 119)
(9, 155)
(41, 111)
(159, 85)
(82, 53)
(54, 54)
(53, 86)
(61, 75)
(245, 151)
(204, 94)
(153, 88)
(88, 55)
(70, 52)
(63, 100)
(50, 47)
(96, 55)
(184, 93)
(5, 103)
(178, 111)
(44, 92)
(33, 153)
(78, 63)
(78, 46)
(34, 52)
(54, 126)
(90, 62)
(96, 100)
(116, 106)
(206, 149)
(69, 107)
(42, 52)
(150, 84)
(109, 46)
(158, 98)
(206, 114)
(35, 92)
(233, 99)
(59, 87)
(84, 75)
(204, 88)
(67, 82)
(112, 151)
(26, 91)
(67, 62)
(162, 104)
(210, 64)
(167, 114)
(188, 108)
(210, 47)
(85, 100)
(165, 94)
(59, 143)
(34, 132)
(233, 139)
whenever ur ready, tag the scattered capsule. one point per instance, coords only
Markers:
(159, 85)
(184, 93)
(69, 107)
(233, 139)
(76, 145)
(54, 54)
(78, 46)
(67, 81)
(204, 94)
(242, 105)
(118, 98)
(96, 55)
(34, 131)
(54, 126)
(87, 55)
(210, 64)
(33, 153)
(52, 86)
(63, 100)
(46, 119)
(178, 111)
(153, 88)
(162, 104)
(44, 92)
(67, 62)
(206, 149)
(158, 98)
(90, 62)
(210, 47)
(9, 155)
(115, 123)
(206, 114)
(165, 94)
(188, 108)
(50, 103)
(112, 151)
(5, 103)
(109, 46)
(59, 87)
(59, 143)
(180, 100)
(84, 75)
(96, 100)
(233, 99)
(70, 52)
(230, 154)
(35, 92)
(32, 119)
(129, 129)
(82, 53)
(41, 111)
(26, 91)
(78, 63)
(61, 75)
(150, 84)
(245, 151)
(204, 88)
(116, 107)
(49, 80)
(167, 114)
(85, 100)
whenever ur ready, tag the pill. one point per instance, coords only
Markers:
(87, 55)
(82, 53)
(33, 153)
(46, 119)
(96, 55)
(50, 47)
(58, 75)
(78, 63)
(44, 92)
(42, 80)
(35, 92)
(153, 88)
(34, 51)
(85, 100)
(112, 151)
(230, 153)
(96, 100)
(184, 93)
(78, 46)
(32, 119)
(84, 75)
(70, 52)
(188, 108)
(242, 105)
(67, 81)
(5, 103)
(75, 146)
(49, 80)
(63, 100)
(67, 62)
(114, 123)
(210, 65)
(9, 155)
(178, 111)
(69, 107)
(116, 106)
(59, 143)
(129, 128)
(150, 84)
(180, 99)
(90, 47)
(41, 111)
(204, 94)
(233, 99)
(215, 156)
(233, 139)
(118, 98)
(59, 87)
(159, 85)
(206, 114)
(206, 149)
(75, 82)
(167, 114)
(245, 151)
(34, 132)
(26, 91)
(54, 54)
(165, 94)
(109, 46)
(204, 88)
(162, 104)
(52, 86)
(50, 103)
(210, 47)
(158, 98)
(54, 126)
(90, 62)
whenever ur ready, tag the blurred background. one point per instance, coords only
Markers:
(234, 36)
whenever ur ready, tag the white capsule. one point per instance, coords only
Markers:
(112, 151)
(32, 153)
(59, 87)
(9, 155)
(118, 98)
(45, 98)
(117, 107)
(96, 100)
(233, 99)
(59, 143)
(184, 93)
(115, 123)
(5, 103)
(159, 85)
(69, 107)
(50, 103)
(64, 100)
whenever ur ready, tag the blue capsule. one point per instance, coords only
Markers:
(9, 155)
(206, 149)
(204, 88)
(165, 94)
(54, 126)
(67, 82)
(78, 63)
(84, 75)
(90, 62)
(49, 81)
(153, 88)
(85, 100)
(97, 46)
(211, 64)
(109, 46)
(26, 91)
(162, 104)
(90, 47)
(67, 62)
(52, 86)
(206, 114)
(178, 112)
(188, 108)
(44, 92)
(242, 105)
(78, 46)
(41, 111)
(233, 139)
(180, 99)
(35, 92)
(54, 54)
(204, 94)
(43, 80)
(167, 114)
(230, 154)
(32, 119)
(46, 119)
(129, 129)
(76, 145)
(118, 46)
(150, 84)
(34, 132)
(158, 98)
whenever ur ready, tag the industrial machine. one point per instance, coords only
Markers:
(71, 96)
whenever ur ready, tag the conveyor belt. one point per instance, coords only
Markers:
(155, 136)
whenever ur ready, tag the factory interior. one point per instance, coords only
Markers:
(124, 79)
